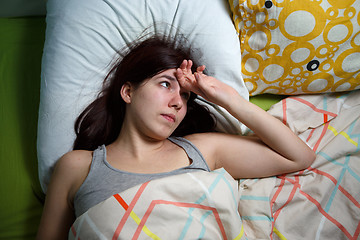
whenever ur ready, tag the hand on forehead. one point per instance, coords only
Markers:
(185, 75)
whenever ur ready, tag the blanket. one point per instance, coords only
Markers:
(199, 205)
(323, 201)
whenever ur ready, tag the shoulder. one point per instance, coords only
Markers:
(211, 141)
(72, 169)
(208, 144)
(217, 146)
(204, 139)
(74, 160)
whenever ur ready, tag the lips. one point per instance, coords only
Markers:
(169, 117)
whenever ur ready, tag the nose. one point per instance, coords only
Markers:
(176, 101)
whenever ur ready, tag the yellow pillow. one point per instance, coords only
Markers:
(299, 46)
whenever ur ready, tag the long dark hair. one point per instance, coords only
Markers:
(101, 122)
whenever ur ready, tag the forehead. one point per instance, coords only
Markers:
(169, 74)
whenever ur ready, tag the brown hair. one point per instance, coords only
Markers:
(101, 122)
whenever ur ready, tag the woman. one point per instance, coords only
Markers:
(147, 99)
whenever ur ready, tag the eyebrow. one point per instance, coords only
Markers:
(168, 77)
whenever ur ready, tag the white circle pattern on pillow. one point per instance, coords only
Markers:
(318, 38)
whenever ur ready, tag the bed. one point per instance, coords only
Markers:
(299, 60)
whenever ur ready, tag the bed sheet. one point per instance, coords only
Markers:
(198, 205)
(321, 202)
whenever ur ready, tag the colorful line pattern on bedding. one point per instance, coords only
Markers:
(323, 201)
(197, 205)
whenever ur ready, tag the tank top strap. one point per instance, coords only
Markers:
(99, 156)
(192, 151)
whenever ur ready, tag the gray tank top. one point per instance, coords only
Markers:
(103, 180)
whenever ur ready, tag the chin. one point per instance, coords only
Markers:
(163, 132)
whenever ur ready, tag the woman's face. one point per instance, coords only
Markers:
(158, 105)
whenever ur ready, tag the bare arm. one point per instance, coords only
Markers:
(275, 150)
(58, 214)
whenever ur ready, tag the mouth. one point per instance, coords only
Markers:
(169, 117)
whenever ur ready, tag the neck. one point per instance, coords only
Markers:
(135, 145)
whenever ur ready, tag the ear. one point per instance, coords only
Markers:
(125, 92)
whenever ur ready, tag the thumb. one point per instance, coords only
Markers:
(199, 78)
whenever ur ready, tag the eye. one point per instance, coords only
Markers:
(165, 84)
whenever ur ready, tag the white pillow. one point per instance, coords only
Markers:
(82, 37)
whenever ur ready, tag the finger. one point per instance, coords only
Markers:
(182, 79)
(180, 74)
(197, 77)
(200, 69)
(183, 64)
(189, 65)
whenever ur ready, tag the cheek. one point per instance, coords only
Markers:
(154, 94)
(150, 98)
